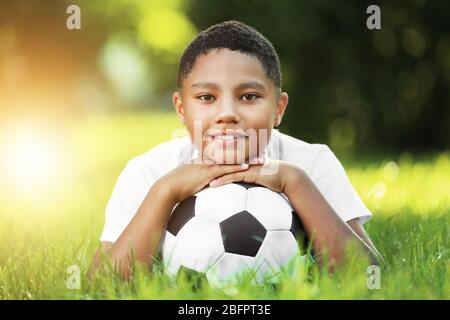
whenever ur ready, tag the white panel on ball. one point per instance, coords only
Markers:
(270, 208)
(200, 244)
(170, 259)
(228, 268)
(220, 203)
(278, 250)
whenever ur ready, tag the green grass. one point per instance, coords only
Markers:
(46, 228)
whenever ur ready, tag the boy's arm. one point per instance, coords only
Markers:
(141, 237)
(329, 232)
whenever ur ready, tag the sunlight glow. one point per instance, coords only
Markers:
(32, 158)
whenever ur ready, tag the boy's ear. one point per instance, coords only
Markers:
(178, 104)
(282, 103)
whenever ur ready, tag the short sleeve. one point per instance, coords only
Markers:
(130, 189)
(329, 176)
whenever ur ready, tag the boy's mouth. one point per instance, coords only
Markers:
(227, 140)
(228, 137)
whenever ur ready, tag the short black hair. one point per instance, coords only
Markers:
(236, 36)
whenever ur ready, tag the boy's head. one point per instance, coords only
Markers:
(229, 86)
(236, 36)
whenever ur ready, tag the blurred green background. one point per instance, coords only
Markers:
(353, 88)
(76, 105)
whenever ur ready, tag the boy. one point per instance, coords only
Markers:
(229, 90)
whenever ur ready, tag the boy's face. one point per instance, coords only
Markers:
(229, 106)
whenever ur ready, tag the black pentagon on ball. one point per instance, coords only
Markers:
(242, 234)
(182, 213)
(248, 185)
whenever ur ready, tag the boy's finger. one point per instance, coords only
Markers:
(227, 168)
(233, 177)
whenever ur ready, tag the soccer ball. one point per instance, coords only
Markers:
(221, 233)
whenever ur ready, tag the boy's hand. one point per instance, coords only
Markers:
(186, 180)
(283, 179)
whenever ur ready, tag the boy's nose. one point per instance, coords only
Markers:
(226, 112)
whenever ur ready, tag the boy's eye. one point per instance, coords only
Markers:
(206, 97)
(249, 96)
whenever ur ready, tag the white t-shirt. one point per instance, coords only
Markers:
(317, 160)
